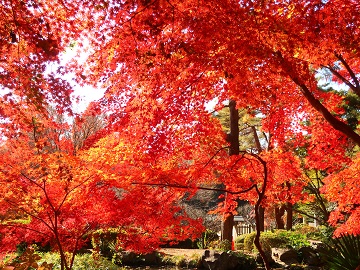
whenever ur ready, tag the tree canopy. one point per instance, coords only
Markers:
(293, 64)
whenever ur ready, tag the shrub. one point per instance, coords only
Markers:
(82, 261)
(249, 241)
(105, 242)
(29, 259)
(270, 240)
(182, 261)
(276, 239)
(224, 245)
(239, 242)
(179, 260)
(51, 257)
(320, 233)
(207, 239)
(194, 260)
(343, 253)
(213, 244)
(7, 259)
(293, 239)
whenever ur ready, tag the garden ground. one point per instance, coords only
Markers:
(187, 253)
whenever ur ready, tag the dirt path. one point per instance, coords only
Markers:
(188, 253)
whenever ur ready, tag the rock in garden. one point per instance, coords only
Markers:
(285, 256)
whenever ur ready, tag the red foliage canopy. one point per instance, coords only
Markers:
(161, 63)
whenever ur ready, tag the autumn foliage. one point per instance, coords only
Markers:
(294, 65)
(52, 196)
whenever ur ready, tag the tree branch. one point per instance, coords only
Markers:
(307, 215)
(24, 228)
(351, 73)
(356, 89)
(196, 187)
(29, 213)
(316, 104)
(216, 153)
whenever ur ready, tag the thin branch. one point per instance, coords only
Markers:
(24, 228)
(216, 153)
(43, 188)
(315, 103)
(195, 81)
(196, 187)
(348, 68)
(133, 14)
(240, 158)
(76, 246)
(307, 215)
(71, 190)
(29, 213)
(356, 89)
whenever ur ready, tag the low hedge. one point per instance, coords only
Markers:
(273, 239)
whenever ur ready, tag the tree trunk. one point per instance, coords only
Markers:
(289, 216)
(261, 218)
(261, 195)
(227, 227)
(258, 233)
(279, 213)
(233, 139)
(234, 129)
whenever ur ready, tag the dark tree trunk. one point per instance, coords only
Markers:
(234, 129)
(261, 195)
(261, 218)
(233, 139)
(261, 211)
(289, 216)
(227, 227)
(279, 213)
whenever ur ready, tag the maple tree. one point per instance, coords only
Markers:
(162, 62)
(53, 195)
(263, 54)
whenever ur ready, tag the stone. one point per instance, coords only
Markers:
(132, 258)
(309, 256)
(269, 257)
(129, 258)
(213, 260)
(151, 258)
(284, 256)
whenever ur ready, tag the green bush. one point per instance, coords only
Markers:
(239, 242)
(178, 260)
(82, 261)
(320, 233)
(182, 261)
(275, 239)
(51, 257)
(105, 242)
(293, 239)
(249, 241)
(224, 245)
(207, 239)
(270, 240)
(240, 239)
(326, 233)
(343, 253)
